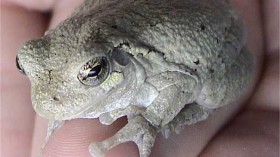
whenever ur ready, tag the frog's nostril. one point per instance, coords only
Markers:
(56, 97)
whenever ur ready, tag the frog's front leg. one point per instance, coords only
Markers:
(146, 94)
(190, 114)
(176, 89)
(138, 130)
(130, 111)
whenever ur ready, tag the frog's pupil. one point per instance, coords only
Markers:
(94, 71)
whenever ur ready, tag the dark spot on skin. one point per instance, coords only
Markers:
(114, 26)
(152, 25)
(98, 31)
(196, 62)
(55, 98)
(190, 73)
(226, 29)
(50, 77)
(195, 69)
(124, 43)
(202, 27)
(217, 40)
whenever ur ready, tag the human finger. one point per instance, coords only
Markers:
(17, 118)
(266, 96)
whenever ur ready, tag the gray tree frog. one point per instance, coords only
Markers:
(162, 63)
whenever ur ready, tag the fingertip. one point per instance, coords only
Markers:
(128, 149)
(75, 137)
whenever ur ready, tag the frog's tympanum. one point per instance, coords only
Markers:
(163, 64)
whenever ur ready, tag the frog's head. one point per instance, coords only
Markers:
(71, 74)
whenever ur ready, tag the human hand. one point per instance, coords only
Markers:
(246, 130)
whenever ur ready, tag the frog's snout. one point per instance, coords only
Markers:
(57, 104)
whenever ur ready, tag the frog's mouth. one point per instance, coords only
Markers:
(55, 110)
(65, 103)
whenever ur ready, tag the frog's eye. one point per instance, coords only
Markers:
(19, 66)
(94, 72)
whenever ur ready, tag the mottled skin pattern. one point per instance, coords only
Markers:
(171, 63)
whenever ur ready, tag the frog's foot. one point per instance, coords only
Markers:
(137, 130)
(190, 114)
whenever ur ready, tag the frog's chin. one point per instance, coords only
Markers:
(58, 116)
(51, 115)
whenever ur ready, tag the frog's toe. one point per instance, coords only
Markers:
(96, 150)
(106, 119)
(137, 130)
(145, 144)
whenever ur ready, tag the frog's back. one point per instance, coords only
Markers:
(204, 35)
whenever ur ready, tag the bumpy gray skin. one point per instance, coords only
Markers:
(172, 62)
